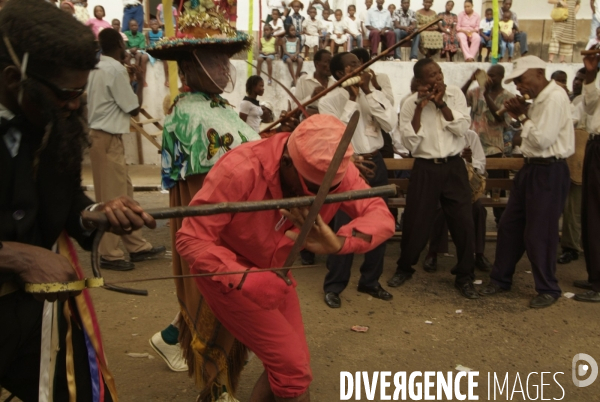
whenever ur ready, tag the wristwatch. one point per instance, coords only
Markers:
(523, 118)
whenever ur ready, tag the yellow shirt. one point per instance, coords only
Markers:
(268, 46)
(506, 27)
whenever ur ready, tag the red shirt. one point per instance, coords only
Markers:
(236, 242)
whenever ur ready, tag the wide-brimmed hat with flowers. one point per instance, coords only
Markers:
(201, 28)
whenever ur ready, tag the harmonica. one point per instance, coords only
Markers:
(523, 98)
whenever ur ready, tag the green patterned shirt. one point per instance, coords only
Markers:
(199, 130)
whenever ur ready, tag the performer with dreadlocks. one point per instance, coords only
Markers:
(48, 351)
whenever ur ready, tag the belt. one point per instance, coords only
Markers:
(542, 161)
(131, 6)
(370, 155)
(594, 137)
(439, 161)
(7, 288)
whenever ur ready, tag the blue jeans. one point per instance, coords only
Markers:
(509, 45)
(352, 39)
(595, 25)
(521, 37)
(486, 43)
(414, 49)
(133, 13)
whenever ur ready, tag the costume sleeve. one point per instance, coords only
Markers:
(382, 110)
(591, 94)
(198, 239)
(370, 216)
(460, 112)
(544, 133)
(121, 91)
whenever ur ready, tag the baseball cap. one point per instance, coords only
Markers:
(521, 65)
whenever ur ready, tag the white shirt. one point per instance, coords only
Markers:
(591, 103)
(363, 18)
(597, 7)
(376, 114)
(110, 97)
(275, 4)
(131, 3)
(312, 28)
(580, 117)
(306, 85)
(327, 25)
(437, 138)
(549, 132)
(591, 43)
(278, 27)
(386, 86)
(254, 113)
(379, 19)
(478, 156)
(354, 27)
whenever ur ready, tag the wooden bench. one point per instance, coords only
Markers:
(491, 164)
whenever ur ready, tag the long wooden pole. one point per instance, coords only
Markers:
(353, 73)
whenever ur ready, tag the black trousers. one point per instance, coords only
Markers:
(530, 223)
(590, 212)
(20, 342)
(431, 184)
(438, 241)
(339, 266)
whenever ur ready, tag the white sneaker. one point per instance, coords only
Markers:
(171, 354)
(414, 60)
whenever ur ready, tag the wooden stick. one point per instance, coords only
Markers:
(352, 74)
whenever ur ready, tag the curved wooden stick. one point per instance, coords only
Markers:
(352, 74)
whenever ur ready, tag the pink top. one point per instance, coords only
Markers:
(97, 25)
(236, 242)
(468, 23)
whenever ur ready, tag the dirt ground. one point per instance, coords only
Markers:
(491, 335)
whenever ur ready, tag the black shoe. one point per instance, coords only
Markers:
(333, 300)
(307, 257)
(147, 255)
(117, 265)
(567, 256)
(543, 300)
(589, 296)
(491, 289)
(430, 263)
(467, 289)
(482, 263)
(398, 279)
(378, 292)
(583, 284)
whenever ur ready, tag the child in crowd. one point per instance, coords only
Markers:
(278, 29)
(311, 27)
(136, 45)
(116, 25)
(97, 23)
(353, 28)
(594, 41)
(152, 36)
(507, 35)
(267, 51)
(250, 110)
(161, 16)
(391, 9)
(326, 29)
(338, 36)
(485, 31)
(291, 53)
(319, 5)
(295, 19)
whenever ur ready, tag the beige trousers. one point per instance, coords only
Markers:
(111, 180)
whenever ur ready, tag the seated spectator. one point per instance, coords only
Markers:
(381, 29)
(278, 29)
(152, 36)
(468, 31)
(405, 23)
(353, 28)
(136, 44)
(520, 36)
(320, 6)
(98, 23)
(431, 39)
(338, 36)
(295, 18)
(279, 5)
(116, 25)
(507, 36)
(311, 31)
(448, 28)
(267, 51)
(250, 109)
(160, 15)
(392, 9)
(594, 41)
(326, 29)
(485, 31)
(291, 53)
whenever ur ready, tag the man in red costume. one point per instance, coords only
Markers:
(265, 314)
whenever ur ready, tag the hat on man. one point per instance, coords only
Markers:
(313, 144)
(522, 64)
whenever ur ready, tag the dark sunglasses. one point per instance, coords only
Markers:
(63, 94)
